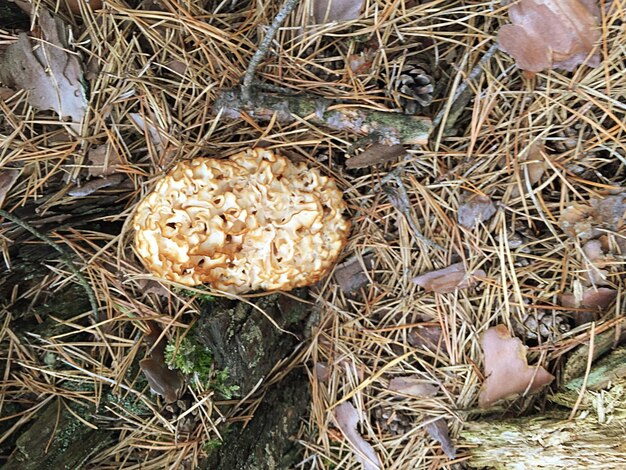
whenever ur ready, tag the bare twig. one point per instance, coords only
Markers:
(462, 91)
(64, 256)
(400, 200)
(261, 52)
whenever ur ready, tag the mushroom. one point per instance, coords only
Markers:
(252, 221)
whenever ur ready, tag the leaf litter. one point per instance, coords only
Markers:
(47, 70)
(413, 385)
(356, 337)
(336, 10)
(506, 369)
(348, 419)
(551, 34)
(449, 279)
(475, 209)
(437, 428)
(8, 177)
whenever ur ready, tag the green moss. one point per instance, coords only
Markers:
(218, 383)
(190, 357)
(201, 297)
(196, 360)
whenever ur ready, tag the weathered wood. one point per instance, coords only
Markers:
(551, 440)
(267, 442)
(57, 440)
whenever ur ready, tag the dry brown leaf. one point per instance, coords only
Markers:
(6, 93)
(413, 385)
(155, 137)
(347, 420)
(162, 380)
(475, 209)
(599, 299)
(102, 161)
(584, 221)
(322, 371)
(551, 34)
(362, 63)
(426, 337)
(446, 280)
(506, 370)
(533, 166)
(149, 286)
(177, 66)
(8, 177)
(375, 155)
(326, 11)
(595, 260)
(94, 185)
(438, 430)
(350, 276)
(50, 74)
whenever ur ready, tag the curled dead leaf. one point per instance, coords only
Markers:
(532, 167)
(150, 130)
(8, 177)
(162, 380)
(322, 371)
(413, 385)
(438, 430)
(506, 369)
(598, 299)
(595, 260)
(350, 275)
(584, 221)
(336, 10)
(376, 154)
(426, 337)
(102, 161)
(475, 209)
(347, 419)
(551, 34)
(446, 280)
(94, 185)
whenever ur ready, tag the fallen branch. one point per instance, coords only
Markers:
(389, 128)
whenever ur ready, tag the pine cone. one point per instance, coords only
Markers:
(412, 88)
(543, 324)
(392, 422)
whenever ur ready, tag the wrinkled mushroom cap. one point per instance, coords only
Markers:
(252, 221)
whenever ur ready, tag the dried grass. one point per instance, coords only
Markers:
(166, 65)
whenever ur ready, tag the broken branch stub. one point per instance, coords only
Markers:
(391, 128)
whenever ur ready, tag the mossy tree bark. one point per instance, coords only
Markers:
(250, 346)
(241, 339)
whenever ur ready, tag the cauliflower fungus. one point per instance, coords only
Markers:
(252, 221)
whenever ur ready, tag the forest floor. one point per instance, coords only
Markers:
(490, 190)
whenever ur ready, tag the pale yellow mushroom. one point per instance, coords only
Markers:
(254, 221)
